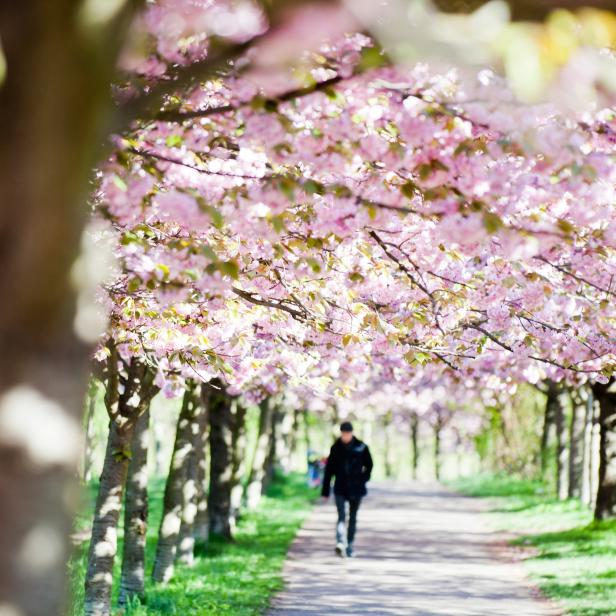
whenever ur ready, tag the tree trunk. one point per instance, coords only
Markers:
(171, 520)
(202, 446)
(221, 464)
(437, 450)
(605, 505)
(556, 399)
(89, 430)
(548, 423)
(190, 490)
(283, 437)
(54, 94)
(238, 462)
(414, 427)
(103, 542)
(128, 395)
(135, 514)
(387, 449)
(576, 441)
(254, 489)
(587, 496)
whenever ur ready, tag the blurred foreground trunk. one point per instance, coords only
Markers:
(54, 92)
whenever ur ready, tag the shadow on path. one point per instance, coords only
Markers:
(421, 551)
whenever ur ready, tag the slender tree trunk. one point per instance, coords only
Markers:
(556, 398)
(294, 439)
(548, 423)
(595, 456)
(171, 520)
(437, 450)
(254, 488)
(271, 461)
(238, 453)
(221, 465)
(103, 542)
(135, 514)
(89, 429)
(125, 409)
(576, 441)
(605, 505)
(387, 449)
(414, 427)
(190, 491)
(202, 524)
(586, 495)
(283, 437)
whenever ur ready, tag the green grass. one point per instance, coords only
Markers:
(228, 578)
(570, 557)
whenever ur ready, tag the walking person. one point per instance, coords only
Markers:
(351, 463)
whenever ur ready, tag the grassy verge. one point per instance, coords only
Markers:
(572, 558)
(235, 578)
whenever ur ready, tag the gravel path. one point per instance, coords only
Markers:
(420, 551)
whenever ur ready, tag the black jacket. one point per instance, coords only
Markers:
(351, 465)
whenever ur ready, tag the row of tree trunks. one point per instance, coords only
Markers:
(135, 382)
(171, 521)
(585, 445)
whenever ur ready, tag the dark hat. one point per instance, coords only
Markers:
(346, 426)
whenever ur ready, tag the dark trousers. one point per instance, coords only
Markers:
(341, 526)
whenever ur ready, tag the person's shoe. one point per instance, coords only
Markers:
(340, 549)
(349, 551)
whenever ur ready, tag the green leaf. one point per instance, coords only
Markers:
(119, 182)
(492, 222)
(312, 187)
(174, 141)
(409, 189)
(229, 268)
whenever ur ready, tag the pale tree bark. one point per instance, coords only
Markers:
(190, 489)
(587, 495)
(202, 447)
(387, 450)
(238, 458)
(556, 398)
(221, 463)
(88, 451)
(294, 439)
(53, 97)
(605, 504)
(548, 423)
(438, 427)
(132, 578)
(135, 382)
(595, 452)
(283, 436)
(254, 488)
(577, 427)
(171, 521)
(414, 433)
